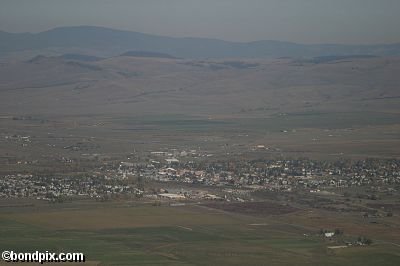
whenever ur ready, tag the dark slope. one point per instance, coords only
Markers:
(148, 54)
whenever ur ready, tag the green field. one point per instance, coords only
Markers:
(186, 235)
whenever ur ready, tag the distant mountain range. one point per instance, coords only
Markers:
(105, 42)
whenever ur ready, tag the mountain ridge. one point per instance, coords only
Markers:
(101, 41)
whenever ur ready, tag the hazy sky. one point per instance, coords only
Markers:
(306, 21)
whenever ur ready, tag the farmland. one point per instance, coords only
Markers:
(120, 233)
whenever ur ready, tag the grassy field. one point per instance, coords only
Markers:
(186, 235)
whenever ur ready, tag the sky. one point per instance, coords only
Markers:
(302, 21)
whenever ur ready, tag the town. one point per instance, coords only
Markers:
(209, 179)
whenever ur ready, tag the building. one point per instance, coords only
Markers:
(172, 196)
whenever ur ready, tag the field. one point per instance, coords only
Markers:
(315, 135)
(126, 234)
(253, 208)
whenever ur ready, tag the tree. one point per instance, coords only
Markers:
(367, 241)
(338, 231)
(140, 182)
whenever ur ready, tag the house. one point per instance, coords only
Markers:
(172, 160)
(329, 234)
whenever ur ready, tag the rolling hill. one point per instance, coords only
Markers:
(129, 84)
